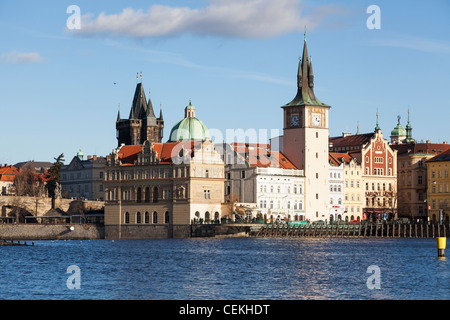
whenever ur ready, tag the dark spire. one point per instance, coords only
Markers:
(408, 128)
(160, 112)
(150, 113)
(305, 81)
(377, 127)
(118, 114)
(139, 106)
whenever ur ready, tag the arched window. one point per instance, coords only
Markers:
(138, 217)
(146, 217)
(155, 194)
(207, 217)
(138, 194)
(147, 194)
(216, 216)
(166, 217)
(127, 217)
(155, 217)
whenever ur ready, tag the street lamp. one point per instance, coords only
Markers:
(428, 197)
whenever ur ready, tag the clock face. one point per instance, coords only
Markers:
(294, 121)
(316, 120)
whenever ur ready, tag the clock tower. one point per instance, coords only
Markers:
(305, 139)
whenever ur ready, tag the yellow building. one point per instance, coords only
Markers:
(438, 169)
(413, 179)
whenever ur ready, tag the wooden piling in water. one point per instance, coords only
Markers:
(364, 229)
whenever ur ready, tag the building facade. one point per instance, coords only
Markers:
(438, 170)
(83, 178)
(336, 186)
(413, 178)
(378, 170)
(159, 189)
(7, 176)
(351, 200)
(264, 182)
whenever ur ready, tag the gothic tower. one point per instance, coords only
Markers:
(305, 139)
(142, 123)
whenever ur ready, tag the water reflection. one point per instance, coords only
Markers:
(226, 269)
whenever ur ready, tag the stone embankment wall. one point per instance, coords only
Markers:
(51, 232)
(178, 231)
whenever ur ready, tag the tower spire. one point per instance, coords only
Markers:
(408, 128)
(377, 126)
(305, 81)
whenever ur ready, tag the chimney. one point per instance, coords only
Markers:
(428, 141)
(95, 157)
(445, 142)
(89, 157)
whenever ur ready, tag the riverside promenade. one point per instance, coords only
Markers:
(363, 229)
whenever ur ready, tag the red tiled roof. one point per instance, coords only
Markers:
(420, 148)
(352, 140)
(443, 156)
(260, 155)
(129, 154)
(337, 157)
(8, 173)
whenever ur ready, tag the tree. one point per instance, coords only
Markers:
(29, 183)
(53, 175)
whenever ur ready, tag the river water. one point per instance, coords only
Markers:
(230, 269)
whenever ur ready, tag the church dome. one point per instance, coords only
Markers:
(189, 128)
(398, 130)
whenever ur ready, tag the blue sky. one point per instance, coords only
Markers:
(236, 60)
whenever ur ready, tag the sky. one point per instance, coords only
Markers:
(62, 82)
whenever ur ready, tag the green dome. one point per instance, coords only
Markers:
(398, 130)
(189, 128)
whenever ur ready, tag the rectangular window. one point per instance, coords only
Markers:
(207, 194)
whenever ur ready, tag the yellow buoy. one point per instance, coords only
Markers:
(441, 244)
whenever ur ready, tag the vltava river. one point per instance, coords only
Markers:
(215, 269)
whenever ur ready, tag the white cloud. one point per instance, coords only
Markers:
(415, 43)
(225, 18)
(21, 57)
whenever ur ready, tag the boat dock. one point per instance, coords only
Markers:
(363, 230)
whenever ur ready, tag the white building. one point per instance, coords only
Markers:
(280, 193)
(263, 181)
(336, 188)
